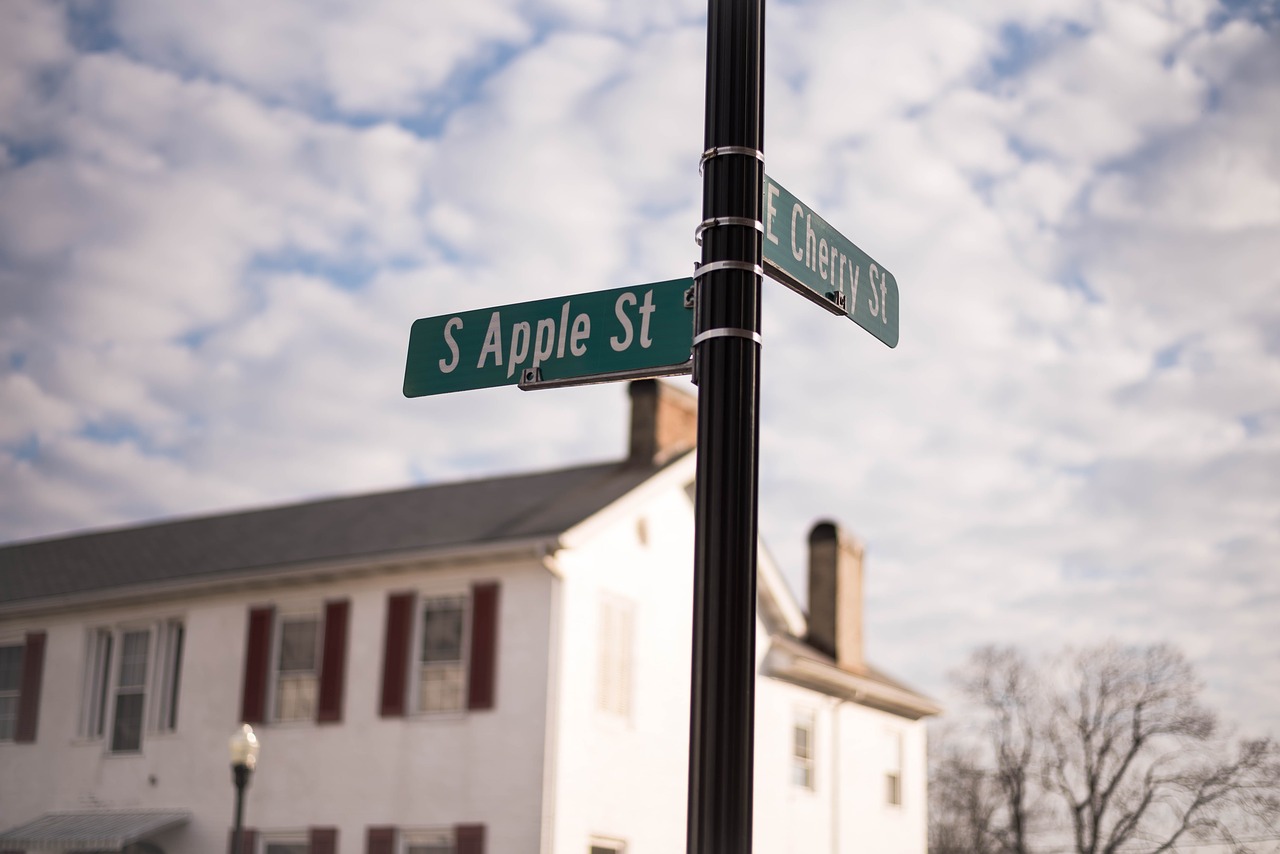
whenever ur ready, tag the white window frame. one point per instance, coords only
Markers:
(615, 661)
(171, 643)
(803, 771)
(294, 615)
(292, 837)
(426, 836)
(14, 694)
(420, 668)
(160, 687)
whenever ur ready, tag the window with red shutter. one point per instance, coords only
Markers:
(257, 665)
(395, 654)
(248, 841)
(323, 840)
(440, 652)
(469, 839)
(333, 661)
(380, 840)
(481, 684)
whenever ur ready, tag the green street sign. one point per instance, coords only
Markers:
(807, 255)
(624, 333)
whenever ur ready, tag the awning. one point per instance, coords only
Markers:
(96, 830)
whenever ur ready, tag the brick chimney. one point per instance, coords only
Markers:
(664, 422)
(835, 595)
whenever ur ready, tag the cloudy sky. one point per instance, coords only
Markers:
(219, 219)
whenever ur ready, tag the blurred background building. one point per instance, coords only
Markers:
(496, 665)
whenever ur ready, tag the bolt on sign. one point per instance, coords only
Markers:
(623, 333)
(803, 252)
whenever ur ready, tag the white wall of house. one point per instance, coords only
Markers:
(623, 777)
(847, 808)
(465, 767)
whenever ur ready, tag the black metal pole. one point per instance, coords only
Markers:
(240, 776)
(727, 370)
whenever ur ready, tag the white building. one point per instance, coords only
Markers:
(493, 666)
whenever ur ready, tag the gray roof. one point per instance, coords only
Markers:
(443, 516)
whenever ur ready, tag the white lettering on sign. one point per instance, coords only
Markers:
(879, 307)
(564, 329)
(450, 325)
(646, 310)
(492, 341)
(822, 256)
(581, 330)
(770, 213)
(513, 346)
(796, 252)
(544, 341)
(620, 344)
(519, 345)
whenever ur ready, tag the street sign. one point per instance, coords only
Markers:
(624, 333)
(807, 255)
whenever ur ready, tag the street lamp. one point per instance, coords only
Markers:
(244, 757)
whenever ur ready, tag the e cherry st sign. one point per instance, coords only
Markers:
(807, 255)
(646, 330)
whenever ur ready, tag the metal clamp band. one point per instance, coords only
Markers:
(715, 222)
(728, 332)
(745, 266)
(717, 150)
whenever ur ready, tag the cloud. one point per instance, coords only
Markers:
(216, 230)
(335, 56)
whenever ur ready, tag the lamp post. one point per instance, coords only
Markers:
(244, 757)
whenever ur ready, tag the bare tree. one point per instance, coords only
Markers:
(1107, 750)
(962, 803)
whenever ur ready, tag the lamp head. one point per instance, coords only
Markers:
(244, 747)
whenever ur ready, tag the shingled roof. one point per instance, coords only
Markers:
(443, 516)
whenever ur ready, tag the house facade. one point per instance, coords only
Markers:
(498, 665)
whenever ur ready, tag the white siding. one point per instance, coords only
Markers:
(624, 777)
(483, 766)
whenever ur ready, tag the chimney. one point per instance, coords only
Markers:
(664, 422)
(835, 595)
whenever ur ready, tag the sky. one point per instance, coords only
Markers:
(218, 221)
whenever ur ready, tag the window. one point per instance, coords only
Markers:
(131, 692)
(893, 772)
(442, 672)
(131, 683)
(21, 673)
(802, 751)
(286, 848)
(427, 842)
(617, 630)
(297, 663)
(440, 651)
(286, 843)
(10, 689)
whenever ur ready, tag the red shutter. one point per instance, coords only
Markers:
(395, 654)
(248, 840)
(29, 691)
(484, 646)
(333, 661)
(380, 840)
(322, 840)
(257, 665)
(469, 838)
